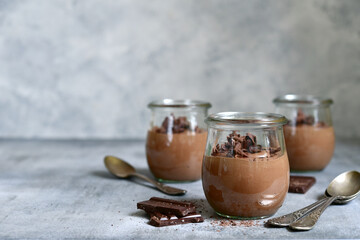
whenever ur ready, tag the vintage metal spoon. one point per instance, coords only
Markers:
(343, 188)
(287, 219)
(122, 169)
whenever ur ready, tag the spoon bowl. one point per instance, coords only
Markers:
(122, 169)
(119, 167)
(345, 186)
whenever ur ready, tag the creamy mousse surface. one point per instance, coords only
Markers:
(250, 184)
(174, 152)
(310, 145)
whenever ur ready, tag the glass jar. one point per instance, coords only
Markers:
(309, 134)
(245, 172)
(176, 139)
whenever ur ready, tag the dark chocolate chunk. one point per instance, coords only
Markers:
(300, 184)
(166, 206)
(160, 220)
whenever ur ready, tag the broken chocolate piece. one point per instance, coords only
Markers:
(160, 220)
(300, 184)
(165, 212)
(166, 206)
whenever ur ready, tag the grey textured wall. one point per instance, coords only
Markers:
(83, 69)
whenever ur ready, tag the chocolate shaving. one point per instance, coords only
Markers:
(251, 137)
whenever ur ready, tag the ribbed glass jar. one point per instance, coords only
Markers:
(176, 139)
(245, 172)
(309, 134)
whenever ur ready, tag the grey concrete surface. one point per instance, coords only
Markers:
(60, 189)
(87, 69)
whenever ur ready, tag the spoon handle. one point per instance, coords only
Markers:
(162, 187)
(287, 219)
(309, 221)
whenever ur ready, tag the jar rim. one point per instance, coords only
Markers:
(173, 103)
(246, 119)
(303, 100)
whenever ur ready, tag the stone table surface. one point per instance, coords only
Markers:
(59, 189)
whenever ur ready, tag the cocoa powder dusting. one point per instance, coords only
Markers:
(235, 223)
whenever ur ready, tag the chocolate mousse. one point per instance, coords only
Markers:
(244, 179)
(310, 144)
(174, 150)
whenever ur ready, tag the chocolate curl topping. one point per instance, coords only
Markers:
(239, 146)
(171, 124)
(302, 119)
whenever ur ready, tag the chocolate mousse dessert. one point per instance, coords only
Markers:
(310, 144)
(242, 179)
(174, 150)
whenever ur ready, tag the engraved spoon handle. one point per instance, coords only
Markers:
(287, 219)
(162, 187)
(309, 221)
